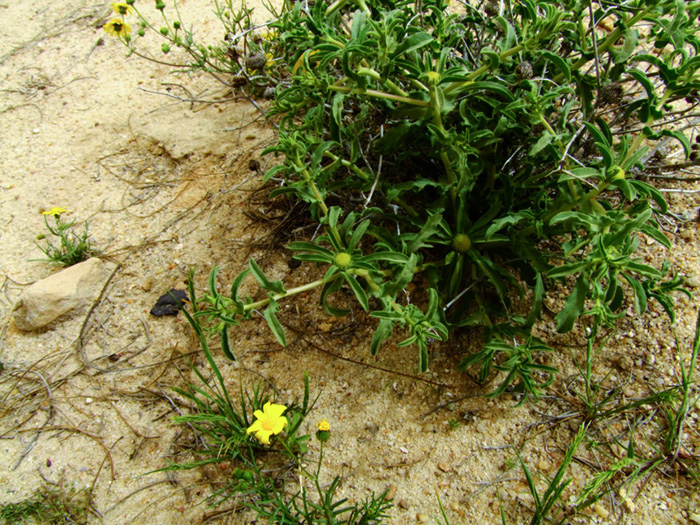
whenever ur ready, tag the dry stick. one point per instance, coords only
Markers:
(140, 489)
(102, 464)
(67, 428)
(356, 362)
(32, 441)
(81, 347)
(136, 432)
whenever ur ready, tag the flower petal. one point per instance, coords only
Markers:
(274, 411)
(255, 427)
(263, 436)
(279, 425)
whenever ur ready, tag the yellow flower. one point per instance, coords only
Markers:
(121, 8)
(323, 425)
(117, 27)
(269, 59)
(270, 35)
(269, 421)
(56, 212)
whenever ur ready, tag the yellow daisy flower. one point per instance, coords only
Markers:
(323, 425)
(269, 421)
(117, 27)
(269, 59)
(56, 212)
(121, 8)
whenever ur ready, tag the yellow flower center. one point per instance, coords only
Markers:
(342, 260)
(268, 425)
(461, 242)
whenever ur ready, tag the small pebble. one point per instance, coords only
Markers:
(404, 504)
(629, 505)
(444, 467)
(391, 492)
(693, 281)
(686, 235)
(147, 285)
(422, 518)
(601, 511)
(428, 427)
(88, 400)
(695, 518)
(544, 465)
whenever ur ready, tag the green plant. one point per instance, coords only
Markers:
(73, 248)
(549, 506)
(481, 153)
(261, 464)
(50, 505)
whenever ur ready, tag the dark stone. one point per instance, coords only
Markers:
(169, 303)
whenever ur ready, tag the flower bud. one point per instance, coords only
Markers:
(323, 433)
(165, 48)
(176, 24)
(160, 5)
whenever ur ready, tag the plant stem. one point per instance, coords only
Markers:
(380, 94)
(289, 293)
(348, 165)
(612, 38)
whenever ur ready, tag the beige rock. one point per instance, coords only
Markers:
(48, 299)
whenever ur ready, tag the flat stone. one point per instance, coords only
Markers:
(71, 289)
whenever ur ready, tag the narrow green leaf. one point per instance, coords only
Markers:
(235, 287)
(383, 332)
(357, 234)
(359, 291)
(559, 62)
(226, 345)
(413, 42)
(212, 281)
(640, 295)
(274, 323)
(308, 247)
(265, 283)
(573, 306)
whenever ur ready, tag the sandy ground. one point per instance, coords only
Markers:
(164, 185)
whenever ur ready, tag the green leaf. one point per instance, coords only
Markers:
(309, 247)
(413, 42)
(387, 257)
(329, 289)
(574, 305)
(235, 287)
(265, 283)
(212, 281)
(359, 291)
(538, 296)
(640, 295)
(357, 234)
(422, 355)
(428, 229)
(383, 332)
(559, 62)
(544, 141)
(621, 55)
(226, 346)
(656, 234)
(274, 324)
(402, 278)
